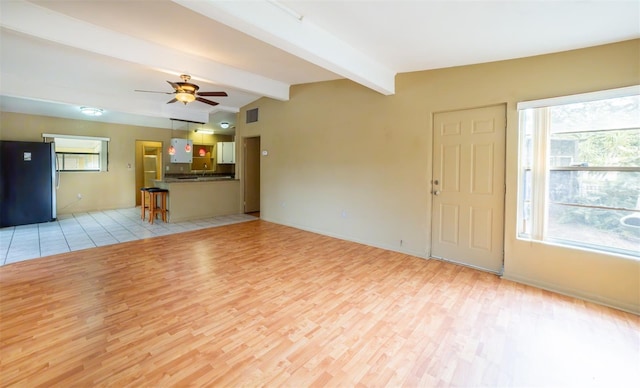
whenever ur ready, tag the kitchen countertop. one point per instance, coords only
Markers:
(197, 179)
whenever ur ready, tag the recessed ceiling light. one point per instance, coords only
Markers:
(91, 111)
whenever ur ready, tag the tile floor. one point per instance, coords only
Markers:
(72, 232)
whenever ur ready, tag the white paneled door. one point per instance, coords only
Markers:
(468, 187)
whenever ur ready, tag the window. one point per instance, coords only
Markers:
(80, 153)
(579, 171)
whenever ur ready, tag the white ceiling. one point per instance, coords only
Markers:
(59, 55)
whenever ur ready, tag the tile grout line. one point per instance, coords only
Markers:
(64, 235)
(101, 225)
(83, 229)
(123, 226)
(6, 255)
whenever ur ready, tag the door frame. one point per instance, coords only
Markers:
(245, 167)
(139, 164)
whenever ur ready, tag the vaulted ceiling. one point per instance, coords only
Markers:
(59, 55)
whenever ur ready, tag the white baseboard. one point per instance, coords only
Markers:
(410, 252)
(613, 303)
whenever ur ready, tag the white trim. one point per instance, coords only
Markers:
(539, 174)
(270, 22)
(76, 137)
(629, 307)
(571, 99)
(387, 247)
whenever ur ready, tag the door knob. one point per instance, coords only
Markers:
(435, 182)
(436, 192)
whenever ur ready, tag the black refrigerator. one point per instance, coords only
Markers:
(27, 183)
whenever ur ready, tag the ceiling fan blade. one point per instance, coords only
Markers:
(213, 103)
(172, 101)
(151, 91)
(212, 94)
(174, 85)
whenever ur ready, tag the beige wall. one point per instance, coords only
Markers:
(348, 162)
(100, 190)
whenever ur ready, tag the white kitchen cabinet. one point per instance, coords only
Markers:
(182, 151)
(226, 152)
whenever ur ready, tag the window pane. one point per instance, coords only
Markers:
(614, 113)
(525, 204)
(619, 189)
(526, 145)
(617, 230)
(619, 148)
(81, 162)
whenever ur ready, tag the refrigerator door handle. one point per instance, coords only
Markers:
(55, 183)
(55, 158)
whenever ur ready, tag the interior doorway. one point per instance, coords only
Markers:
(468, 187)
(251, 174)
(148, 165)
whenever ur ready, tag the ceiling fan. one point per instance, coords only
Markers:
(187, 92)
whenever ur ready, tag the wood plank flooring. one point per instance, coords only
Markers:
(260, 304)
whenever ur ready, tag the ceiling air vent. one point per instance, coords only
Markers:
(252, 115)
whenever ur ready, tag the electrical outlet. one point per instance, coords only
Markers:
(343, 214)
(167, 168)
(79, 196)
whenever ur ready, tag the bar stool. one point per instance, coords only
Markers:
(144, 205)
(154, 209)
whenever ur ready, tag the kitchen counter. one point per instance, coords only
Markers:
(201, 197)
(195, 178)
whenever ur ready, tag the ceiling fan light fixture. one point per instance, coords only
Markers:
(186, 92)
(91, 111)
(185, 97)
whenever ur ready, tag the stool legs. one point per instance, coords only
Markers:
(152, 207)
(155, 207)
(163, 206)
(143, 202)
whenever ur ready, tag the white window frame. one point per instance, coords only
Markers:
(104, 151)
(540, 187)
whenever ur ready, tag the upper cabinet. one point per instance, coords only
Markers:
(181, 151)
(226, 152)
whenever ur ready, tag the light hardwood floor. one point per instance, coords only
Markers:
(257, 304)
